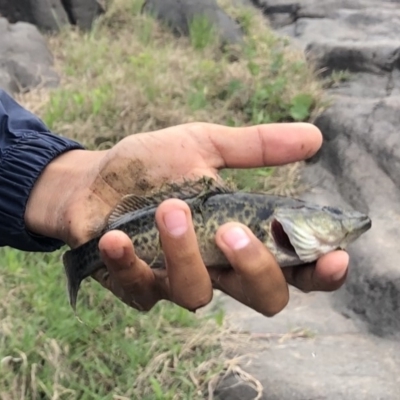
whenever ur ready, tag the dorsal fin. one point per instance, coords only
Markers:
(204, 186)
(128, 204)
(193, 188)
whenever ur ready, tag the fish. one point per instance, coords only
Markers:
(295, 231)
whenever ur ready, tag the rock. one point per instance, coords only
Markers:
(278, 14)
(360, 158)
(233, 387)
(6, 82)
(353, 351)
(359, 161)
(178, 13)
(48, 15)
(83, 12)
(312, 351)
(25, 61)
(51, 15)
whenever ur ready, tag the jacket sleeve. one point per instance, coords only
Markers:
(26, 147)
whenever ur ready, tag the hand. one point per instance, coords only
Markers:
(94, 181)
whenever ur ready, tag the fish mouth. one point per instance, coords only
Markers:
(302, 243)
(281, 238)
(364, 224)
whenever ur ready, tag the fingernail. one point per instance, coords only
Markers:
(236, 238)
(176, 222)
(115, 254)
(339, 275)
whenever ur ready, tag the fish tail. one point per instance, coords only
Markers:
(71, 263)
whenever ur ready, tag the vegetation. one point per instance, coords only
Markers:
(129, 75)
(110, 352)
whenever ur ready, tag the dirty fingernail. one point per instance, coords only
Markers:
(115, 254)
(236, 238)
(176, 222)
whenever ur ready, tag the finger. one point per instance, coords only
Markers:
(257, 279)
(328, 274)
(189, 282)
(257, 146)
(130, 278)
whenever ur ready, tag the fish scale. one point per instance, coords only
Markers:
(296, 232)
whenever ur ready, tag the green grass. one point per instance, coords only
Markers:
(114, 351)
(131, 74)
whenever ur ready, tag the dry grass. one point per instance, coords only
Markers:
(116, 353)
(132, 75)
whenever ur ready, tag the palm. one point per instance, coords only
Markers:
(145, 161)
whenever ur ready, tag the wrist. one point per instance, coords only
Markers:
(63, 178)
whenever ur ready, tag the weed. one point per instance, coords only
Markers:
(115, 351)
(137, 76)
(335, 78)
(202, 33)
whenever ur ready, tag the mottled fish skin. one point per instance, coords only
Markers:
(210, 211)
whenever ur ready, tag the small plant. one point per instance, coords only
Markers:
(335, 78)
(244, 19)
(202, 32)
(301, 106)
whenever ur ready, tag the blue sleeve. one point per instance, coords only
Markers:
(26, 147)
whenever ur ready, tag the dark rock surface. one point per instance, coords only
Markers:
(311, 351)
(355, 353)
(82, 12)
(178, 14)
(51, 15)
(48, 15)
(25, 60)
(360, 158)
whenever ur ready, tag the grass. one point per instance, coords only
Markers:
(114, 353)
(131, 74)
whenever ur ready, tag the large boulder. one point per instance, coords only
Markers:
(48, 15)
(360, 158)
(83, 12)
(359, 163)
(25, 61)
(178, 14)
(311, 351)
(343, 345)
(51, 15)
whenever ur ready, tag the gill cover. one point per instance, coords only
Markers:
(314, 231)
(303, 237)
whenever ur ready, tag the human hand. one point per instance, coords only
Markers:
(95, 182)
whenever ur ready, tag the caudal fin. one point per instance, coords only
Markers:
(71, 263)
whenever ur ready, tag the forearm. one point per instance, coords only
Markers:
(27, 147)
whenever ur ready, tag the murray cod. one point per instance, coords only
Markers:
(295, 231)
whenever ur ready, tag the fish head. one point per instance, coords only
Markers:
(308, 232)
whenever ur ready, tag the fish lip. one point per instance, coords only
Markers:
(364, 224)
